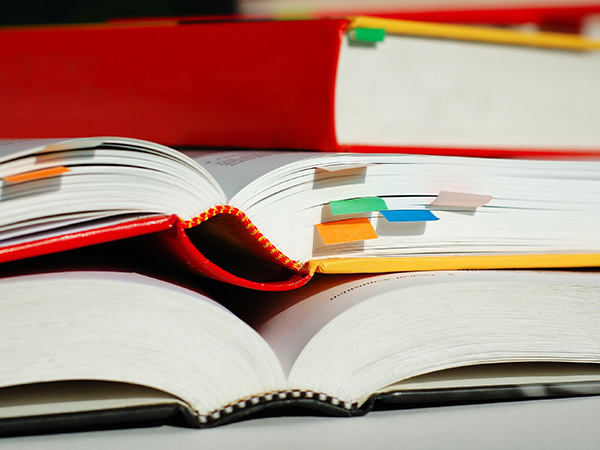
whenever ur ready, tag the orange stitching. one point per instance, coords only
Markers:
(254, 232)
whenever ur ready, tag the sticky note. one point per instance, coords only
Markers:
(408, 215)
(36, 174)
(357, 205)
(349, 230)
(460, 199)
(367, 34)
(340, 167)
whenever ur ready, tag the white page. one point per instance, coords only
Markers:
(234, 170)
(77, 396)
(410, 91)
(20, 147)
(130, 328)
(292, 319)
(103, 176)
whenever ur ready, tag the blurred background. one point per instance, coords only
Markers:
(33, 12)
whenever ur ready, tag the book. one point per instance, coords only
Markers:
(355, 84)
(549, 15)
(106, 348)
(270, 220)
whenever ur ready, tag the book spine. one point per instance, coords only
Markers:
(168, 234)
(190, 253)
(274, 254)
(396, 399)
(177, 84)
(287, 398)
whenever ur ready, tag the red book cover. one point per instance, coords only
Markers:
(164, 232)
(236, 84)
(232, 84)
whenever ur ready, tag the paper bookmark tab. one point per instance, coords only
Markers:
(357, 205)
(460, 200)
(349, 230)
(36, 175)
(341, 167)
(409, 215)
(367, 34)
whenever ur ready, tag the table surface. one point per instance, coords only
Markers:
(549, 424)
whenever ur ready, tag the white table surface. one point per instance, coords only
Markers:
(544, 424)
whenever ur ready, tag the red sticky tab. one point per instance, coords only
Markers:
(346, 231)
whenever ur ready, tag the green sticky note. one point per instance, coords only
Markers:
(357, 205)
(367, 34)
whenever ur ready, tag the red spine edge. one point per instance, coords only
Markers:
(512, 153)
(171, 231)
(86, 238)
(179, 243)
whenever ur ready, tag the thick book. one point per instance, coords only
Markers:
(358, 84)
(555, 15)
(98, 349)
(270, 220)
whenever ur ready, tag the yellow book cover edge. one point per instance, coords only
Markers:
(479, 34)
(452, 262)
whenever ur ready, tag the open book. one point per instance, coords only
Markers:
(338, 345)
(359, 83)
(225, 214)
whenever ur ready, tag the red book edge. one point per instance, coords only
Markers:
(479, 152)
(170, 231)
(545, 16)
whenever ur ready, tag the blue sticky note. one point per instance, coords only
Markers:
(408, 215)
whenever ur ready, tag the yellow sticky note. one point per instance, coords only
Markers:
(36, 174)
(349, 230)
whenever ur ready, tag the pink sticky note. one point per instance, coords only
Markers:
(460, 200)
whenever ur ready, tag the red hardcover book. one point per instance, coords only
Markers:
(323, 84)
(270, 219)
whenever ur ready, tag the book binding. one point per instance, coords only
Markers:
(294, 402)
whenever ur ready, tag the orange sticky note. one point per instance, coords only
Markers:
(36, 174)
(346, 231)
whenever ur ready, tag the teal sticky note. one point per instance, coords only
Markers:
(357, 205)
(408, 215)
(367, 34)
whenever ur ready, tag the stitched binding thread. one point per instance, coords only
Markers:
(283, 395)
(254, 232)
